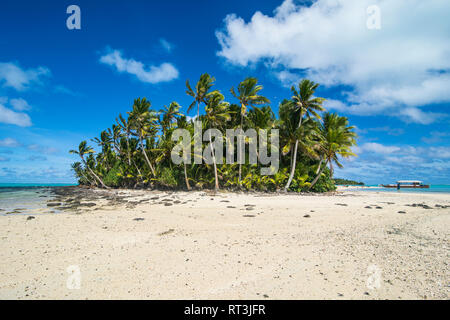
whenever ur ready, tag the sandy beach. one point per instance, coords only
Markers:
(201, 245)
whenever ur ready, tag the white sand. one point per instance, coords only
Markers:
(215, 252)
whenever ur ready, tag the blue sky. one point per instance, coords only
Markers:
(61, 86)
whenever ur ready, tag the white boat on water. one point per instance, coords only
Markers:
(407, 184)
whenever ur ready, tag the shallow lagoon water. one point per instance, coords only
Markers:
(375, 188)
(25, 200)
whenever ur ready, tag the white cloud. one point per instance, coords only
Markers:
(12, 117)
(9, 142)
(440, 152)
(152, 74)
(19, 104)
(379, 148)
(403, 66)
(11, 75)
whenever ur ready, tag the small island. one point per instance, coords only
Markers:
(346, 182)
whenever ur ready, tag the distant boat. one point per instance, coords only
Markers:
(407, 184)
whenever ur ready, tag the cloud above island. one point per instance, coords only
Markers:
(379, 163)
(9, 116)
(396, 70)
(13, 76)
(150, 74)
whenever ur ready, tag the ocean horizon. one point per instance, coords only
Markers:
(440, 188)
(19, 185)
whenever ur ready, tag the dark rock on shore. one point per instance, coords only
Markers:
(54, 204)
(166, 232)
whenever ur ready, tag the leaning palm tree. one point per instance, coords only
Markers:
(78, 169)
(143, 121)
(201, 92)
(247, 94)
(303, 103)
(336, 139)
(216, 116)
(84, 149)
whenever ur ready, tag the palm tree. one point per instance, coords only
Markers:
(303, 103)
(143, 121)
(216, 116)
(78, 169)
(247, 94)
(169, 114)
(84, 149)
(305, 137)
(261, 118)
(182, 123)
(201, 92)
(125, 125)
(336, 139)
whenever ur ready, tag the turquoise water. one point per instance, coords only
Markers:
(438, 188)
(20, 199)
(22, 185)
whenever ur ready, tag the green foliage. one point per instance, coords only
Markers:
(325, 183)
(113, 178)
(136, 151)
(339, 181)
(167, 178)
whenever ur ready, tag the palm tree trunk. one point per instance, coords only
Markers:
(198, 110)
(139, 171)
(318, 176)
(331, 169)
(93, 173)
(214, 163)
(186, 177)
(320, 164)
(145, 156)
(291, 150)
(85, 177)
(240, 153)
(294, 160)
(128, 150)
